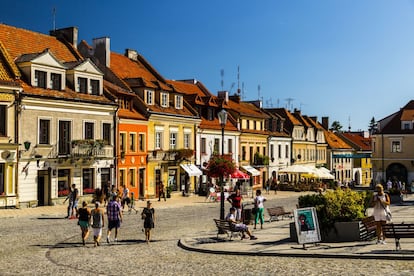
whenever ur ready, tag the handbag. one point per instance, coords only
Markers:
(388, 215)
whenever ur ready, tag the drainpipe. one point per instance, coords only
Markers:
(115, 153)
(17, 107)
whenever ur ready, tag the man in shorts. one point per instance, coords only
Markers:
(239, 226)
(114, 212)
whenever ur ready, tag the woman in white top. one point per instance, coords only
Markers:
(258, 203)
(381, 204)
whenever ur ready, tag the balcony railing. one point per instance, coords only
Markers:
(171, 155)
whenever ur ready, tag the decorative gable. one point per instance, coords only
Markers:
(42, 70)
(85, 77)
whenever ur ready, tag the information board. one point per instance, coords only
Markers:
(307, 226)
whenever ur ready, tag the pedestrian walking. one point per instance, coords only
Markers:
(258, 202)
(114, 213)
(125, 197)
(148, 215)
(381, 204)
(98, 222)
(161, 191)
(84, 217)
(73, 198)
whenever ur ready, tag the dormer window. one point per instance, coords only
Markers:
(40, 79)
(149, 97)
(85, 77)
(179, 102)
(43, 70)
(56, 81)
(164, 99)
(82, 85)
(94, 87)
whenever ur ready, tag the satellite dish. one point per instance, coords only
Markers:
(5, 154)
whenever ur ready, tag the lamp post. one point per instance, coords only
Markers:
(222, 116)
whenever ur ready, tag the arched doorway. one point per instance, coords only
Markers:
(357, 178)
(396, 171)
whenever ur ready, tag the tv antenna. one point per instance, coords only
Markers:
(238, 79)
(258, 93)
(242, 94)
(269, 102)
(289, 102)
(222, 79)
(54, 18)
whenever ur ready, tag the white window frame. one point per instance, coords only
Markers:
(173, 140)
(149, 97)
(396, 148)
(178, 101)
(158, 140)
(164, 99)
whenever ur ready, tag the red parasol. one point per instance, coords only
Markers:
(237, 174)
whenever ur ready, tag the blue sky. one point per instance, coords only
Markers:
(348, 60)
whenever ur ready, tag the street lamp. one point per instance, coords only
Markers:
(222, 116)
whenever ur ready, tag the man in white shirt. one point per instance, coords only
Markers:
(239, 226)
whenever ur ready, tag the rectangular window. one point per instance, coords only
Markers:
(83, 85)
(149, 97)
(395, 146)
(122, 141)
(132, 142)
(230, 145)
(106, 133)
(3, 120)
(179, 102)
(173, 140)
(286, 151)
(272, 151)
(64, 137)
(158, 140)
(132, 176)
(44, 132)
(40, 79)
(56, 81)
(243, 153)
(89, 130)
(121, 178)
(187, 140)
(216, 146)
(95, 87)
(210, 114)
(251, 154)
(279, 149)
(164, 99)
(203, 146)
(88, 181)
(141, 142)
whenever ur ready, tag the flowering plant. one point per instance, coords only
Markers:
(63, 192)
(220, 165)
(88, 190)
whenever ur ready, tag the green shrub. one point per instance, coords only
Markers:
(337, 206)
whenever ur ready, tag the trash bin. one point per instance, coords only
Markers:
(247, 216)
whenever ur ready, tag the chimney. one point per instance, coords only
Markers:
(257, 103)
(69, 34)
(102, 50)
(325, 123)
(314, 118)
(235, 98)
(223, 95)
(296, 111)
(131, 54)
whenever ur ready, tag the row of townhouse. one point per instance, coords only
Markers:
(71, 112)
(393, 148)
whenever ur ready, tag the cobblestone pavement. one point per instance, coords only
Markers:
(41, 242)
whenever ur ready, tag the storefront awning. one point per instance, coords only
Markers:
(251, 170)
(191, 170)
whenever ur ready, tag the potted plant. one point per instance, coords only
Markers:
(339, 212)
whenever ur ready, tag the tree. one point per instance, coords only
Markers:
(372, 126)
(336, 126)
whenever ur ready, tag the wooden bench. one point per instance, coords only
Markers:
(368, 228)
(227, 227)
(276, 212)
(398, 231)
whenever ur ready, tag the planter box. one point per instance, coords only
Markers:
(342, 232)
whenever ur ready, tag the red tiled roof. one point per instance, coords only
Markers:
(68, 94)
(358, 140)
(392, 123)
(247, 109)
(334, 141)
(20, 41)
